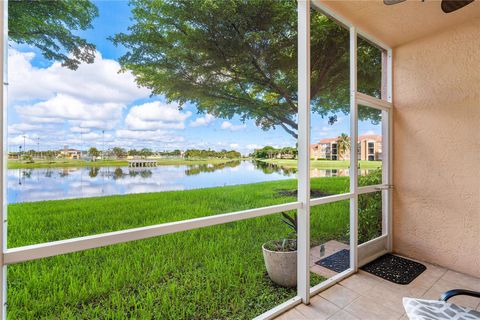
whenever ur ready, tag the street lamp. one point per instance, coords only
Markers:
(103, 142)
(81, 142)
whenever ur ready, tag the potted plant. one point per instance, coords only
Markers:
(281, 255)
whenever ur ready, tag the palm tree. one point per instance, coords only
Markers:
(343, 144)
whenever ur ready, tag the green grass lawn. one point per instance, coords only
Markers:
(63, 163)
(215, 272)
(325, 164)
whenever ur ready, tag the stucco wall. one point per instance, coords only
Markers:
(436, 206)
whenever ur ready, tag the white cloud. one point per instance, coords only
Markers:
(154, 116)
(227, 125)
(40, 120)
(69, 108)
(61, 108)
(18, 128)
(234, 145)
(152, 135)
(95, 124)
(202, 121)
(253, 146)
(20, 140)
(99, 82)
(79, 130)
(96, 136)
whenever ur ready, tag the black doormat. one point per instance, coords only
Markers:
(338, 262)
(395, 269)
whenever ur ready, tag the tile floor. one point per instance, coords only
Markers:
(364, 296)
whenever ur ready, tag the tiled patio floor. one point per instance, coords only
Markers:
(364, 296)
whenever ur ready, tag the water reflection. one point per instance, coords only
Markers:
(323, 173)
(93, 172)
(269, 168)
(26, 185)
(210, 167)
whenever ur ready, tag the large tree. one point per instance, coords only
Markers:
(119, 152)
(239, 57)
(49, 26)
(93, 152)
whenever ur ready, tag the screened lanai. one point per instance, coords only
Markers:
(408, 102)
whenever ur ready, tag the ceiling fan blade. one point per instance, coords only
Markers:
(390, 2)
(452, 5)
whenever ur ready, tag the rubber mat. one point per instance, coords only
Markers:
(338, 262)
(395, 269)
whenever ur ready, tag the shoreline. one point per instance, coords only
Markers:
(15, 164)
(323, 164)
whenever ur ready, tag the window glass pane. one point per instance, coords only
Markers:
(205, 105)
(369, 146)
(330, 108)
(330, 240)
(211, 273)
(370, 69)
(369, 216)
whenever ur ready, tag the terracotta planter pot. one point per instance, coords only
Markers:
(281, 266)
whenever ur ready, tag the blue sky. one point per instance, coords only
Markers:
(52, 106)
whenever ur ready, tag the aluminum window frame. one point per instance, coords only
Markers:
(302, 205)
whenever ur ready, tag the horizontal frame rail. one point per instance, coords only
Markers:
(49, 249)
(329, 199)
(278, 310)
(372, 102)
(374, 188)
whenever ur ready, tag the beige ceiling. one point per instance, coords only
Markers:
(401, 23)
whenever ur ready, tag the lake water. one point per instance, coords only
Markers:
(26, 185)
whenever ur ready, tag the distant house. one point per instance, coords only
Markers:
(328, 149)
(71, 154)
(369, 149)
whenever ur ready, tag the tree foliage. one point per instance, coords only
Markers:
(343, 143)
(370, 208)
(145, 152)
(239, 57)
(49, 26)
(119, 152)
(269, 152)
(93, 152)
(205, 154)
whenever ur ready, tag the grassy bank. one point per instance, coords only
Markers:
(62, 163)
(325, 164)
(215, 272)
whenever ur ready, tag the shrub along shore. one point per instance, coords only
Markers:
(62, 163)
(213, 272)
(325, 164)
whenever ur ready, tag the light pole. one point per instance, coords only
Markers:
(38, 147)
(81, 143)
(24, 143)
(103, 142)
